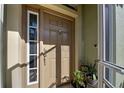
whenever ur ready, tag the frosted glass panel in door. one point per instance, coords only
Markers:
(65, 62)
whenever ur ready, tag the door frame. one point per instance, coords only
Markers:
(41, 10)
(100, 44)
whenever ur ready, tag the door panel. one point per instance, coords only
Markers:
(50, 39)
(49, 64)
(56, 47)
(65, 52)
(65, 63)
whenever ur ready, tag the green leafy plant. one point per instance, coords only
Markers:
(79, 78)
(90, 72)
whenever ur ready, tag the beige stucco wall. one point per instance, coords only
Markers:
(79, 41)
(90, 32)
(119, 14)
(13, 46)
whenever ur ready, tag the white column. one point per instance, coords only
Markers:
(1, 43)
(100, 44)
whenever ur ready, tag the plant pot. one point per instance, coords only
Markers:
(92, 82)
(74, 85)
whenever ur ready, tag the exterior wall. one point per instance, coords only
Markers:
(90, 32)
(79, 41)
(1, 43)
(119, 14)
(14, 75)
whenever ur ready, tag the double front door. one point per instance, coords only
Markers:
(55, 63)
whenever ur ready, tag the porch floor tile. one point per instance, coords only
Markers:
(68, 85)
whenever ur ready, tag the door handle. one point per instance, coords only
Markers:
(60, 31)
(44, 53)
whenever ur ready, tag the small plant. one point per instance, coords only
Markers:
(78, 79)
(92, 72)
(89, 70)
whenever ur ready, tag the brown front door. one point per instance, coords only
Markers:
(56, 50)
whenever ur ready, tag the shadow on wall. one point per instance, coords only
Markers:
(3, 46)
(10, 71)
(13, 32)
(45, 54)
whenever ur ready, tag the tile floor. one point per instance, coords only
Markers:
(68, 85)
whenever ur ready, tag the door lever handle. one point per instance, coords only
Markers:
(44, 53)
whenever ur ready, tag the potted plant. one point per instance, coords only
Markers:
(92, 74)
(78, 79)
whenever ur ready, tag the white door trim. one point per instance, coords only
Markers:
(28, 48)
